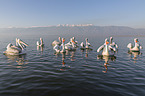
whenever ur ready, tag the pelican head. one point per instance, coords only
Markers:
(73, 38)
(63, 40)
(106, 41)
(59, 38)
(63, 45)
(9, 45)
(86, 39)
(111, 38)
(136, 40)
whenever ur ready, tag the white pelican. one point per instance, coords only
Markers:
(40, 43)
(55, 42)
(71, 45)
(60, 48)
(87, 45)
(106, 49)
(113, 44)
(17, 49)
(76, 42)
(137, 46)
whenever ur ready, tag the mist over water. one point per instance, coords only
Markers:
(78, 73)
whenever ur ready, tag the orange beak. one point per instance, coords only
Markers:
(136, 41)
(107, 42)
(63, 40)
(73, 42)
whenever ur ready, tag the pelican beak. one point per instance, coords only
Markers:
(63, 40)
(23, 43)
(73, 42)
(107, 42)
(136, 41)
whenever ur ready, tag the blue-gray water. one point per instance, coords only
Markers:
(42, 73)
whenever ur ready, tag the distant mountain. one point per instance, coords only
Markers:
(78, 30)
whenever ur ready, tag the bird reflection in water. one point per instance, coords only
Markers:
(40, 48)
(135, 55)
(63, 66)
(20, 60)
(86, 51)
(106, 59)
(72, 55)
(63, 63)
(63, 58)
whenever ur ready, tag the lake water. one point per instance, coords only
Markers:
(42, 73)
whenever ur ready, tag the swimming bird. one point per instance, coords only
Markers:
(71, 45)
(40, 43)
(17, 49)
(106, 49)
(55, 42)
(137, 46)
(76, 42)
(83, 47)
(60, 48)
(88, 44)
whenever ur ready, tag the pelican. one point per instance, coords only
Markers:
(106, 49)
(17, 49)
(87, 45)
(76, 42)
(136, 48)
(55, 42)
(60, 48)
(71, 45)
(113, 44)
(40, 43)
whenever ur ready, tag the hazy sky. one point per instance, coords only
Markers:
(26, 13)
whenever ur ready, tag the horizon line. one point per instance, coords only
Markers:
(70, 25)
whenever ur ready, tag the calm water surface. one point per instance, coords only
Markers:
(42, 73)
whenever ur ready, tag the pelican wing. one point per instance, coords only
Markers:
(141, 47)
(37, 43)
(57, 48)
(116, 45)
(82, 44)
(129, 46)
(55, 43)
(100, 48)
(112, 48)
(89, 44)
